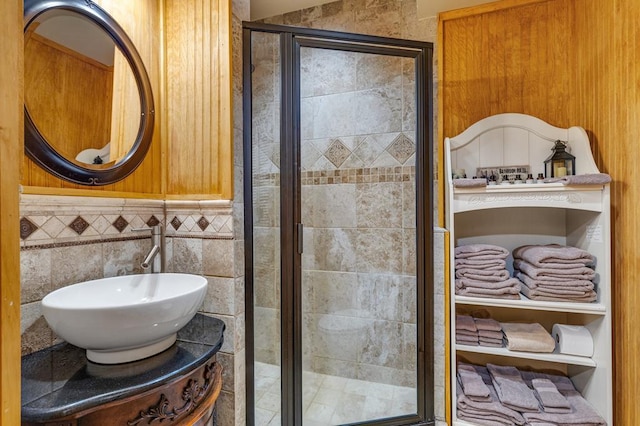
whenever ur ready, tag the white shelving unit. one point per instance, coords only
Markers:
(518, 214)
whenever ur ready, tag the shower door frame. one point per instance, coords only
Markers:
(291, 40)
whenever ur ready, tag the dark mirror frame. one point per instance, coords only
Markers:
(39, 149)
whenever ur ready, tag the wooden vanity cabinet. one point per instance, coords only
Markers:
(188, 400)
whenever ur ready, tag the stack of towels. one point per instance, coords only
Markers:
(502, 395)
(555, 273)
(478, 331)
(481, 272)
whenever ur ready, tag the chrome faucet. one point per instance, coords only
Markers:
(154, 260)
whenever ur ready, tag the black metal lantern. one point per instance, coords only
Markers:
(560, 163)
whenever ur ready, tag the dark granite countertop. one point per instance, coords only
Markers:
(59, 381)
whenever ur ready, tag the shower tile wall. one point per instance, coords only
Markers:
(358, 183)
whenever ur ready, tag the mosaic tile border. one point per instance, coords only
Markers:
(340, 176)
(57, 221)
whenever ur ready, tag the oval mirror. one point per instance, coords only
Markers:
(88, 102)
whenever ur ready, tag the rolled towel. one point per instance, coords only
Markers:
(549, 256)
(469, 183)
(586, 179)
(482, 274)
(466, 283)
(582, 413)
(534, 283)
(551, 400)
(486, 264)
(465, 322)
(511, 389)
(491, 408)
(473, 250)
(581, 273)
(472, 384)
(487, 324)
(527, 337)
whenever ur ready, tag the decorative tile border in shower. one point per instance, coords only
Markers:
(338, 176)
(361, 175)
(70, 220)
(199, 219)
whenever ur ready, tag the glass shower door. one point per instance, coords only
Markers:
(265, 211)
(358, 202)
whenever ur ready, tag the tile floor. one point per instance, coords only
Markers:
(331, 400)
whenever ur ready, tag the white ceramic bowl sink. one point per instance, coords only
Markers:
(126, 318)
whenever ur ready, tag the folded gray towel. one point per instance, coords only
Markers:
(562, 383)
(482, 251)
(472, 384)
(557, 291)
(465, 322)
(582, 413)
(586, 179)
(488, 334)
(551, 400)
(462, 340)
(483, 275)
(527, 337)
(479, 417)
(485, 264)
(487, 324)
(551, 255)
(491, 344)
(461, 332)
(511, 293)
(491, 408)
(534, 283)
(511, 389)
(588, 297)
(466, 283)
(469, 183)
(580, 273)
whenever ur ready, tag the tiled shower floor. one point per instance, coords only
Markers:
(330, 400)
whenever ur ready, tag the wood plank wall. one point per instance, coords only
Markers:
(72, 107)
(198, 98)
(11, 135)
(141, 21)
(189, 43)
(569, 62)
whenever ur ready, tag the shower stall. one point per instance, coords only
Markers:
(338, 227)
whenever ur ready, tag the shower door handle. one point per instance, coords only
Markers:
(300, 230)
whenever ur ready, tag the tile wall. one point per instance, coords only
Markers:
(65, 240)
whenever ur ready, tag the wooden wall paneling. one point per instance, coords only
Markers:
(11, 136)
(198, 97)
(141, 21)
(72, 108)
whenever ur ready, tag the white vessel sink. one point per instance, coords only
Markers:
(126, 318)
